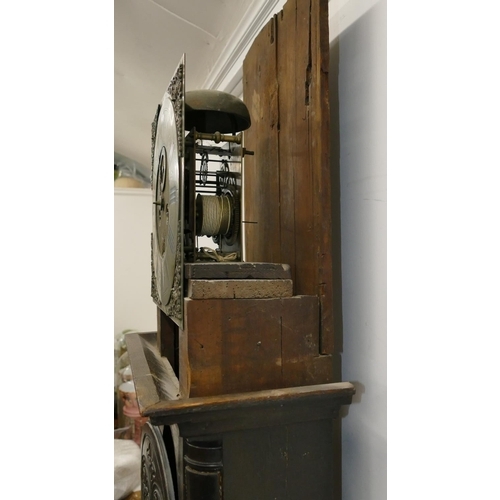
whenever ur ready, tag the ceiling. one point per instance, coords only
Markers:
(150, 38)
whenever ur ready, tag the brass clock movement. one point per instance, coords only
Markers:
(197, 154)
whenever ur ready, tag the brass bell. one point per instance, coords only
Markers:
(211, 111)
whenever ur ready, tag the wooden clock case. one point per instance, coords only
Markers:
(242, 394)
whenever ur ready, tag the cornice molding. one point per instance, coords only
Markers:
(227, 73)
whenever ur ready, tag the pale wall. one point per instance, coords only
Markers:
(134, 307)
(358, 39)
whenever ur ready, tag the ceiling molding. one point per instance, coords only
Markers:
(227, 73)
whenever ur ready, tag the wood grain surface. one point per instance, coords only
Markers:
(237, 345)
(239, 289)
(236, 270)
(287, 183)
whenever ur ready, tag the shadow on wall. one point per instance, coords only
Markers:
(335, 184)
(336, 253)
(358, 141)
(358, 168)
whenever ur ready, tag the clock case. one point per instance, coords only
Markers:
(241, 392)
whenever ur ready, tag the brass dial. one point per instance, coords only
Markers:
(166, 200)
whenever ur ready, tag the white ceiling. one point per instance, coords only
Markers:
(152, 35)
(150, 39)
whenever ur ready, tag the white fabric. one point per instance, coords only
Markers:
(127, 468)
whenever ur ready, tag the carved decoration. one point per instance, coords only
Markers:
(176, 93)
(156, 476)
(154, 290)
(173, 307)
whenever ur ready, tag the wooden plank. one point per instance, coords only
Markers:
(291, 462)
(236, 270)
(261, 171)
(147, 393)
(302, 361)
(239, 289)
(289, 147)
(255, 464)
(288, 193)
(310, 460)
(322, 176)
(304, 194)
(236, 345)
(232, 345)
(154, 378)
(237, 419)
(185, 409)
(211, 416)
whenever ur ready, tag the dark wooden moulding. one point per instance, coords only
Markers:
(263, 444)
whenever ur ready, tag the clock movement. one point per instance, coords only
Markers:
(192, 132)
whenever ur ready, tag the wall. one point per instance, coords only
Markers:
(134, 307)
(358, 55)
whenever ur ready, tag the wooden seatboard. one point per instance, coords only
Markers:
(236, 270)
